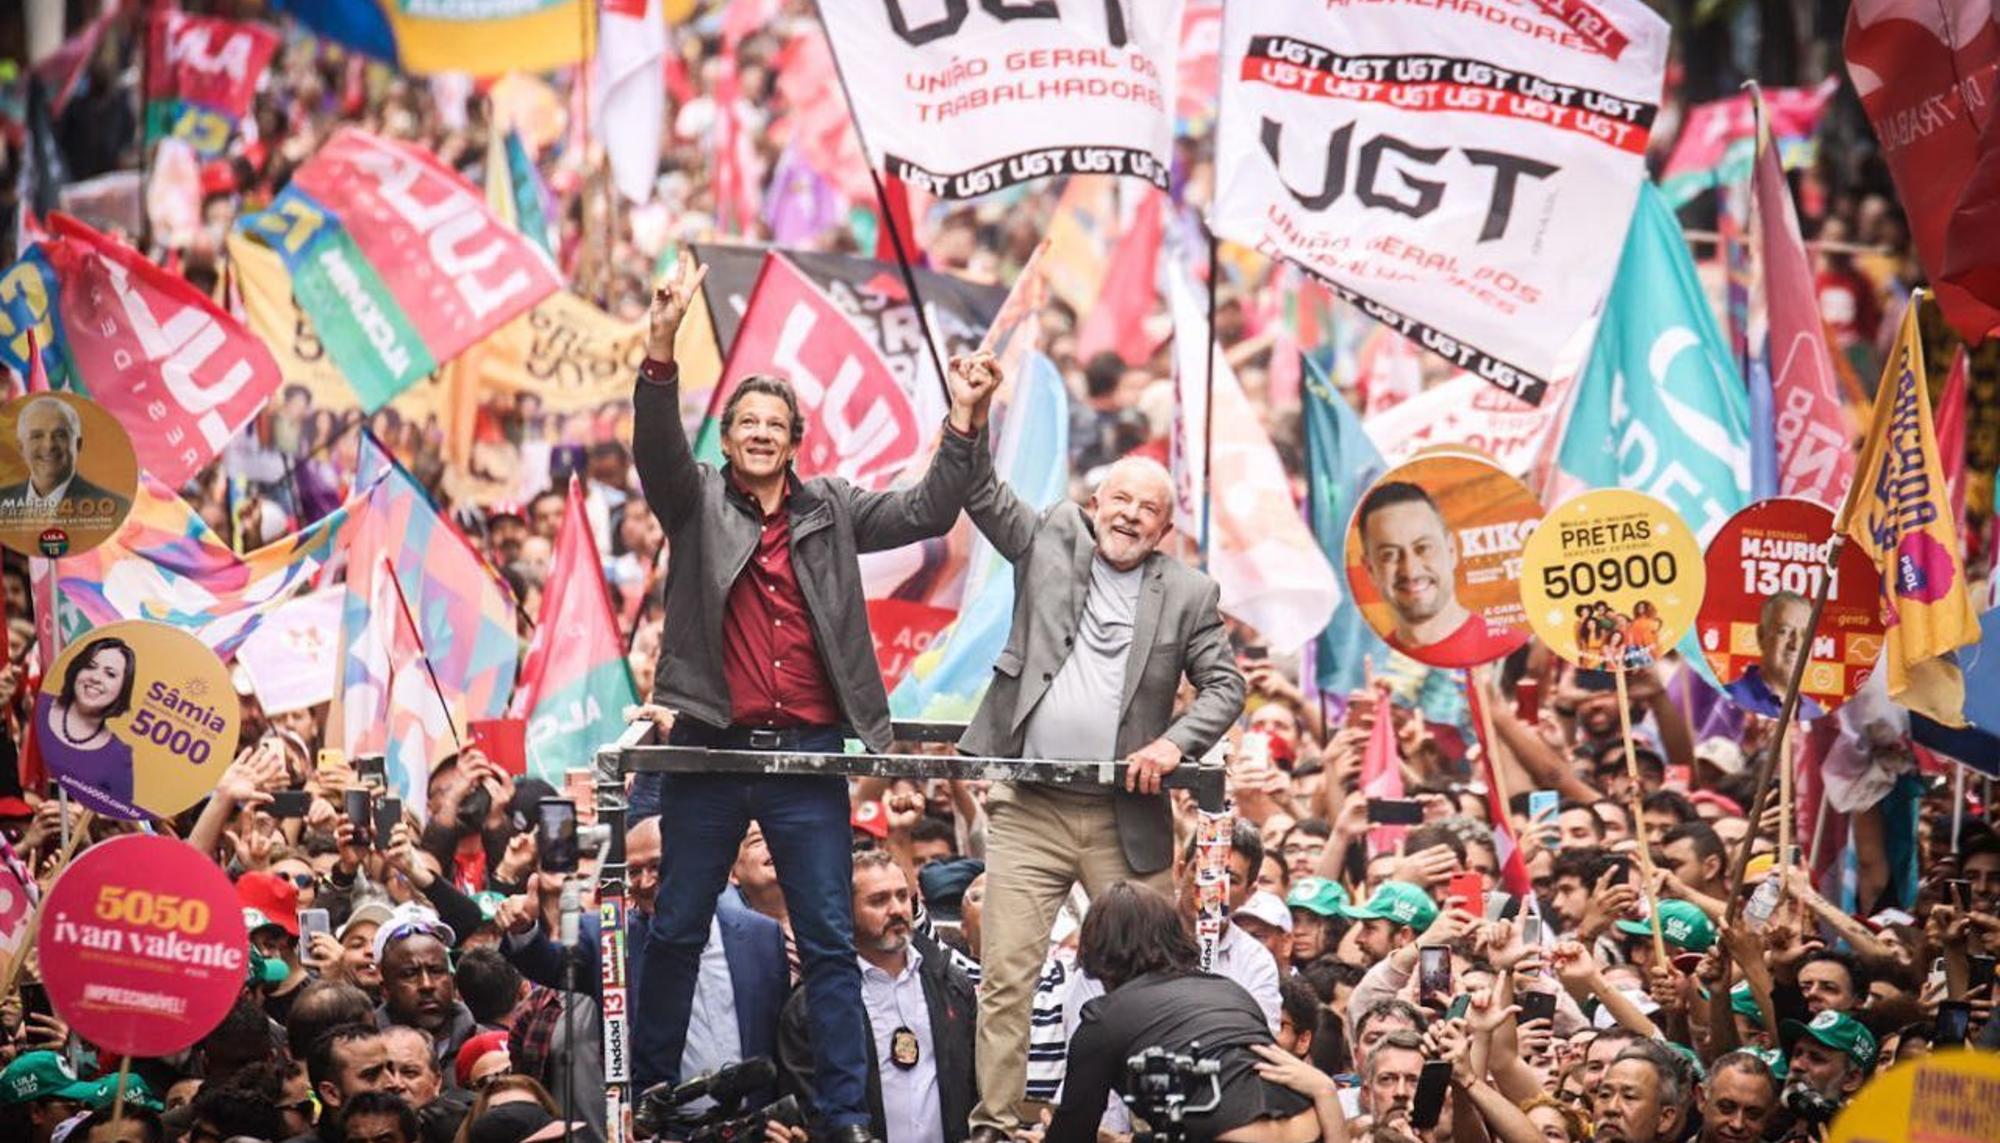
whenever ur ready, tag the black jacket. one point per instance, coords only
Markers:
(712, 530)
(953, 1004)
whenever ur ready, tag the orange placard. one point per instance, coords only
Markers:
(1434, 558)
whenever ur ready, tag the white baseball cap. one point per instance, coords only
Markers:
(1266, 907)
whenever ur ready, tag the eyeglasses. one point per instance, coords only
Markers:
(488, 1080)
(302, 880)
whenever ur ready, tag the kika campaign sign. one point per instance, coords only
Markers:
(398, 261)
(1464, 174)
(143, 947)
(962, 99)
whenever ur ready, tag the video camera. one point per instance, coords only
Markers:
(663, 1107)
(1159, 1085)
(1809, 1106)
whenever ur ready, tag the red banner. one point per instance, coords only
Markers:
(1926, 81)
(457, 272)
(903, 629)
(859, 423)
(1815, 457)
(205, 61)
(181, 375)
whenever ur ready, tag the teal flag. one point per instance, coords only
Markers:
(1660, 407)
(1341, 463)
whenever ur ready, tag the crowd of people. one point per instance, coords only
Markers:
(954, 959)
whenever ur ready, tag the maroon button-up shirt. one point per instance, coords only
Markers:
(769, 658)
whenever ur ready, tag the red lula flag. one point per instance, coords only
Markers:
(180, 374)
(1815, 456)
(1131, 293)
(859, 423)
(1513, 870)
(1925, 72)
(201, 76)
(397, 260)
(1382, 771)
(575, 684)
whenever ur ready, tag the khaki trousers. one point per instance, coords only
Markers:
(1040, 840)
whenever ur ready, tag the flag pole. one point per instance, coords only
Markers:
(909, 274)
(1208, 398)
(1638, 808)
(423, 653)
(1787, 713)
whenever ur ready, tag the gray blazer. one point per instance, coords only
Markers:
(1178, 631)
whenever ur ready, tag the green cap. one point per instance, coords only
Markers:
(1317, 895)
(488, 902)
(1683, 924)
(138, 1093)
(1744, 1004)
(1773, 1059)
(1397, 901)
(41, 1075)
(1837, 1030)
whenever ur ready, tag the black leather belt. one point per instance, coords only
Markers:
(788, 738)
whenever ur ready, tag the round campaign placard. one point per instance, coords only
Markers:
(1764, 569)
(1434, 558)
(1611, 576)
(1949, 1096)
(137, 719)
(67, 474)
(142, 945)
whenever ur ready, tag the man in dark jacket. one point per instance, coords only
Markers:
(920, 1016)
(767, 647)
(743, 975)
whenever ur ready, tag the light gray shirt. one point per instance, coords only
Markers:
(712, 1036)
(1078, 716)
(910, 1109)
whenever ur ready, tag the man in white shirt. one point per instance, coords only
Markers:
(920, 1011)
(1238, 955)
(50, 434)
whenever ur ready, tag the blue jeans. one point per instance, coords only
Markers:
(703, 818)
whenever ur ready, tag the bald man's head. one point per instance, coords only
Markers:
(1132, 511)
(642, 863)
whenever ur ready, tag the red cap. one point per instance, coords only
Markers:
(14, 807)
(273, 896)
(480, 1045)
(870, 818)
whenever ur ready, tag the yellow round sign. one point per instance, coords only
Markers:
(1950, 1096)
(1611, 577)
(137, 719)
(67, 474)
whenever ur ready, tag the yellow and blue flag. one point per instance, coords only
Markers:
(481, 37)
(1898, 512)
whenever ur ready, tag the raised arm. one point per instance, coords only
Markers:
(1006, 520)
(930, 506)
(660, 449)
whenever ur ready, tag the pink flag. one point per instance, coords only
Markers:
(1950, 415)
(1382, 771)
(1815, 446)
